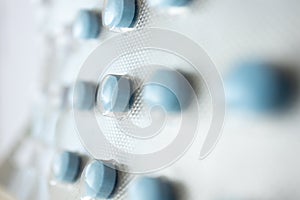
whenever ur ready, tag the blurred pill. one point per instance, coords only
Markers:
(147, 188)
(84, 95)
(168, 3)
(87, 25)
(100, 180)
(114, 93)
(119, 13)
(257, 86)
(157, 95)
(65, 100)
(168, 89)
(67, 166)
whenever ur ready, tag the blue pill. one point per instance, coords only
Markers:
(157, 95)
(168, 3)
(87, 25)
(120, 13)
(67, 167)
(100, 180)
(169, 90)
(256, 86)
(84, 95)
(147, 188)
(114, 93)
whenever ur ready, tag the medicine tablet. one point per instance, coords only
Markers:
(147, 188)
(119, 13)
(168, 3)
(256, 86)
(114, 93)
(67, 167)
(157, 95)
(87, 25)
(168, 89)
(84, 95)
(100, 180)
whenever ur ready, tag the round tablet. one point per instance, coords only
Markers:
(67, 166)
(84, 95)
(119, 13)
(114, 93)
(168, 89)
(157, 95)
(168, 3)
(87, 25)
(100, 180)
(256, 86)
(147, 188)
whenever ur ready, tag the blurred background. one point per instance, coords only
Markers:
(254, 45)
(19, 68)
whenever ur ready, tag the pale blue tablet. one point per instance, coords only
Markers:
(114, 93)
(120, 13)
(84, 96)
(147, 188)
(168, 89)
(257, 86)
(100, 180)
(87, 25)
(67, 167)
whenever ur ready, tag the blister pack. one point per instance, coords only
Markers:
(164, 100)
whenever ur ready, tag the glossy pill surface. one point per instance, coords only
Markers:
(100, 180)
(147, 188)
(119, 13)
(168, 3)
(87, 25)
(168, 89)
(114, 93)
(67, 167)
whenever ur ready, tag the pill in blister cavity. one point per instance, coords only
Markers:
(257, 86)
(168, 3)
(114, 93)
(84, 95)
(155, 94)
(147, 188)
(87, 25)
(120, 13)
(100, 180)
(67, 166)
(168, 89)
